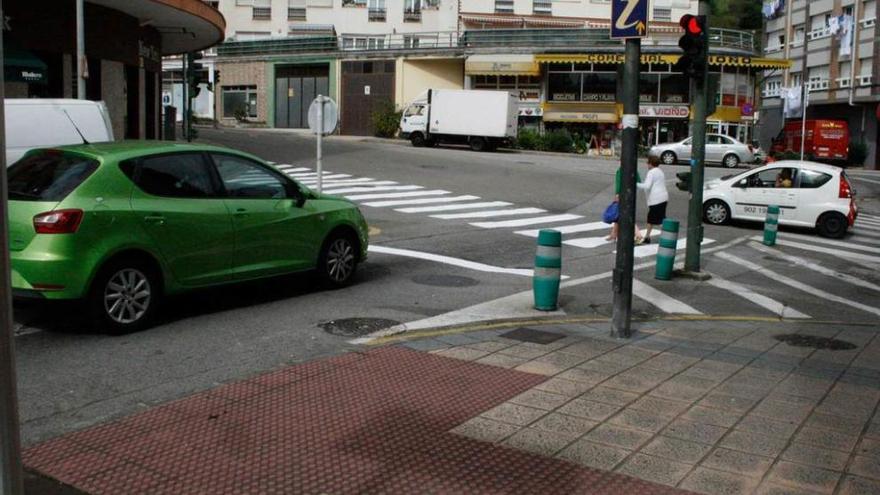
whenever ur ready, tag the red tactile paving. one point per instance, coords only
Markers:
(361, 423)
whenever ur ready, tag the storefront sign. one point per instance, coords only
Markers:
(665, 111)
(148, 52)
(564, 97)
(599, 97)
(580, 113)
(530, 111)
(529, 95)
(664, 58)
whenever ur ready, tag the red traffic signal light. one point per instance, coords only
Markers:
(694, 44)
(691, 24)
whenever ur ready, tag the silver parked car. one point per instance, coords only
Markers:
(720, 149)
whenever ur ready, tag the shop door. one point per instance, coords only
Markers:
(295, 88)
(365, 87)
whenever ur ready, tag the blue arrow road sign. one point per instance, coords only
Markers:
(629, 19)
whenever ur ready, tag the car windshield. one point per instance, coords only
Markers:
(48, 176)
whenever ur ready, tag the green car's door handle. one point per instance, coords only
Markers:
(156, 219)
(240, 212)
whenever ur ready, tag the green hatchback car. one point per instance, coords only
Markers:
(120, 225)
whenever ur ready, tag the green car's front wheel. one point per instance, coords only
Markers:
(124, 296)
(338, 260)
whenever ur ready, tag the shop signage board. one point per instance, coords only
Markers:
(665, 111)
(665, 58)
(629, 19)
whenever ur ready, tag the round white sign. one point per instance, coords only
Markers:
(330, 114)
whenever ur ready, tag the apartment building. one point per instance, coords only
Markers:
(557, 56)
(840, 72)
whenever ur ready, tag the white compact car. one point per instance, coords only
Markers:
(808, 195)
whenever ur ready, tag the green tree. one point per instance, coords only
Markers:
(736, 14)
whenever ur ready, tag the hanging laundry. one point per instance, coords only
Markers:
(847, 28)
(792, 101)
(834, 25)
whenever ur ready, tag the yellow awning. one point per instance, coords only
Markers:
(726, 114)
(581, 112)
(664, 58)
(501, 65)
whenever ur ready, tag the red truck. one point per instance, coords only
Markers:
(827, 140)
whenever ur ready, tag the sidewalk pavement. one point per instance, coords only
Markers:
(707, 406)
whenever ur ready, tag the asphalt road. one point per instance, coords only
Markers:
(71, 376)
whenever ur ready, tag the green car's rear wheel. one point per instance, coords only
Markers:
(125, 295)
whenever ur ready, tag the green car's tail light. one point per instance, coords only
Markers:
(58, 221)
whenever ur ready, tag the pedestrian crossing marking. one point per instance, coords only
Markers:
(854, 257)
(466, 206)
(420, 201)
(765, 302)
(346, 190)
(362, 180)
(788, 258)
(665, 303)
(569, 229)
(868, 221)
(587, 242)
(522, 222)
(411, 194)
(821, 240)
(643, 251)
(778, 277)
(337, 185)
(490, 213)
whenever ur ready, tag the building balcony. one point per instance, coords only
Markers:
(818, 34)
(296, 14)
(818, 85)
(771, 92)
(376, 14)
(412, 16)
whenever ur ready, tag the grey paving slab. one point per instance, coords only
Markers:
(565, 424)
(695, 432)
(714, 482)
(539, 368)
(753, 443)
(611, 396)
(639, 420)
(670, 361)
(727, 402)
(426, 345)
(869, 447)
(501, 360)
(485, 430)
(712, 416)
(584, 376)
(637, 380)
(827, 439)
(815, 456)
(678, 392)
(837, 423)
(616, 436)
(606, 365)
(768, 488)
(542, 442)
(766, 426)
(583, 408)
(561, 359)
(565, 387)
(676, 449)
(457, 339)
(514, 414)
(656, 469)
(660, 406)
(462, 353)
(804, 477)
(490, 346)
(524, 351)
(856, 485)
(594, 455)
(742, 463)
(540, 399)
(864, 466)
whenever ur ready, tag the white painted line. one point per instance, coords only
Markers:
(821, 240)
(788, 258)
(837, 252)
(448, 260)
(872, 217)
(866, 236)
(872, 181)
(423, 201)
(314, 175)
(587, 242)
(351, 184)
(326, 177)
(465, 206)
(290, 168)
(765, 302)
(865, 226)
(492, 213)
(868, 221)
(644, 251)
(778, 277)
(434, 192)
(665, 303)
(359, 180)
(570, 229)
(522, 222)
(346, 190)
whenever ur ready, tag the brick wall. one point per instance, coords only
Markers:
(243, 74)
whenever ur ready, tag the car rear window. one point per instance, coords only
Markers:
(811, 179)
(48, 176)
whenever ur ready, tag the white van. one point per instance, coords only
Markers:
(36, 123)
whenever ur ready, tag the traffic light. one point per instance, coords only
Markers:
(694, 45)
(684, 181)
(194, 76)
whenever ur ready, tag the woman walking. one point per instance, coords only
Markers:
(614, 227)
(658, 196)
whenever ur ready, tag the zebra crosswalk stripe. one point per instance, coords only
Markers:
(410, 194)
(778, 277)
(666, 303)
(522, 222)
(570, 229)
(346, 190)
(765, 302)
(460, 206)
(788, 258)
(821, 240)
(490, 213)
(854, 257)
(420, 201)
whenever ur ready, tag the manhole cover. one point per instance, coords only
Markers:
(531, 335)
(356, 327)
(815, 342)
(445, 280)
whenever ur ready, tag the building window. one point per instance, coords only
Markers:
(412, 11)
(239, 100)
(565, 86)
(662, 14)
(296, 10)
(503, 6)
(376, 10)
(649, 88)
(819, 27)
(772, 87)
(542, 7)
(818, 79)
(674, 88)
(262, 10)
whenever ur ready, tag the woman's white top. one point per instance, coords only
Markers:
(655, 184)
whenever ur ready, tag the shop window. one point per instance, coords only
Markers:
(507, 82)
(649, 86)
(605, 68)
(565, 87)
(237, 99)
(560, 67)
(585, 67)
(674, 88)
(485, 82)
(599, 87)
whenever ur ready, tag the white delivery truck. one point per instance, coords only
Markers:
(482, 119)
(44, 122)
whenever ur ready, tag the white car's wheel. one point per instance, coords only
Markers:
(716, 212)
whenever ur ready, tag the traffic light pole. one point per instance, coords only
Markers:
(185, 86)
(623, 266)
(698, 156)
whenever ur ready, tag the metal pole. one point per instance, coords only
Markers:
(623, 266)
(185, 86)
(698, 155)
(10, 442)
(804, 102)
(80, 52)
(320, 123)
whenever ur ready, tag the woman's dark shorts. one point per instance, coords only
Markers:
(656, 213)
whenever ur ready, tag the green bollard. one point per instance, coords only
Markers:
(548, 268)
(771, 225)
(666, 252)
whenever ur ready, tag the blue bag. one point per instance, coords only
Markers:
(612, 213)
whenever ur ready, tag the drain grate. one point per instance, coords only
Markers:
(815, 342)
(533, 336)
(445, 280)
(356, 327)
